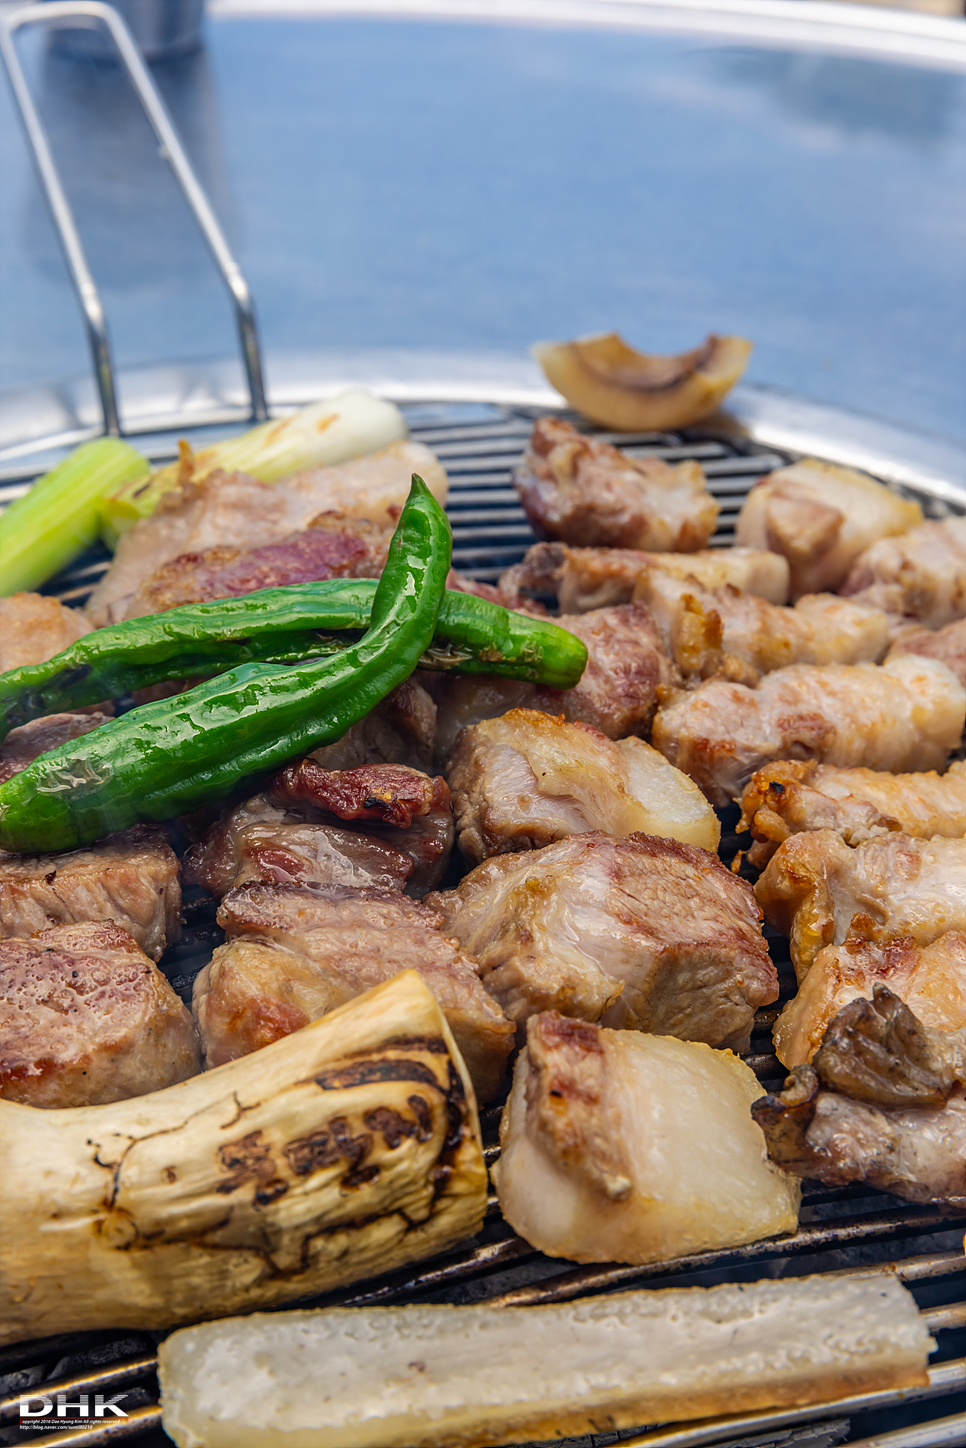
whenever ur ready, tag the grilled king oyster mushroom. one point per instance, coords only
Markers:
(613, 384)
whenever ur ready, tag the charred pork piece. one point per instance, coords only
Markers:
(527, 779)
(296, 952)
(920, 575)
(34, 628)
(618, 692)
(129, 878)
(399, 835)
(587, 578)
(86, 1017)
(931, 979)
(232, 510)
(24, 744)
(707, 631)
(883, 1102)
(793, 796)
(904, 714)
(400, 730)
(818, 890)
(821, 517)
(620, 1147)
(642, 933)
(582, 491)
(946, 644)
(331, 546)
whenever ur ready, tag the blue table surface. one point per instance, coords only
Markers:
(424, 184)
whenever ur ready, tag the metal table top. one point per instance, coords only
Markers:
(392, 180)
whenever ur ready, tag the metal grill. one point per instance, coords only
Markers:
(847, 1230)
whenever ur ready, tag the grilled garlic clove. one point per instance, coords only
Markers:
(613, 384)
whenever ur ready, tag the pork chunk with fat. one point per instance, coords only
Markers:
(25, 743)
(382, 824)
(947, 644)
(130, 879)
(931, 979)
(818, 891)
(639, 933)
(621, 1147)
(883, 1102)
(580, 490)
(905, 714)
(295, 952)
(33, 628)
(920, 575)
(86, 1018)
(527, 779)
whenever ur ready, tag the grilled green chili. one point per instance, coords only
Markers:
(279, 625)
(166, 758)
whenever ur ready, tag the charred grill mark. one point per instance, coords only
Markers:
(435, 1045)
(423, 1115)
(331, 1144)
(250, 1160)
(392, 1127)
(363, 1073)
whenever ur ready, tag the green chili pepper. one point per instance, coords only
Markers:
(279, 625)
(175, 755)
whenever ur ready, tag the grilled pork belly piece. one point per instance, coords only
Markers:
(707, 630)
(818, 891)
(587, 578)
(399, 835)
(33, 628)
(883, 1102)
(902, 715)
(644, 934)
(795, 795)
(296, 952)
(232, 510)
(617, 693)
(821, 517)
(931, 979)
(920, 575)
(330, 547)
(400, 730)
(621, 1147)
(583, 491)
(129, 878)
(444, 1376)
(946, 644)
(527, 779)
(86, 1017)
(24, 744)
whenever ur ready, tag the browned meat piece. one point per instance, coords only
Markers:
(818, 890)
(617, 693)
(527, 779)
(235, 511)
(400, 730)
(330, 547)
(575, 925)
(948, 645)
(920, 575)
(583, 491)
(34, 628)
(708, 630)
(882, 1102)
(86, 1017)
(23, 745)
(295, 952)
(587, 578)
(931, 979)
(902, 715)
(821, 517)
(617, 1146)
(792, 796)
(291, 834)
(129, 878)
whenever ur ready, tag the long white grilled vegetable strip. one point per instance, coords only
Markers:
(413, 1377)
(344, 1150)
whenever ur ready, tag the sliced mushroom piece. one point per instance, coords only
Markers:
(613, 384)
